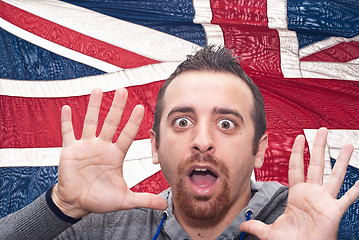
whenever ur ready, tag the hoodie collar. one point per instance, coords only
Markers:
(262, 196)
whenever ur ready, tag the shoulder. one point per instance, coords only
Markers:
(130, 224)
(269, 199)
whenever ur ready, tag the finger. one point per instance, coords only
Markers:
(316, 165)
(296, 164)
(337, 176)
(66, 126)
(146, 200)
(129, 132)
(256, 228)
(349, 197)
(113, 118)
(91, 118)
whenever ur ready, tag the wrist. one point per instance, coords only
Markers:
(66, 209)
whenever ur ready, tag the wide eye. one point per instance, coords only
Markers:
(182, 122)
(226, 124)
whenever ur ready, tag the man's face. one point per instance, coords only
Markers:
(205, 151)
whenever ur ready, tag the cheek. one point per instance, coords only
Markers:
(167, 138)
(169, 172)
(174, 147)
(240, 174)
(168, 162)
(240, 159)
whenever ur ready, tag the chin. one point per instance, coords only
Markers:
(203, 208)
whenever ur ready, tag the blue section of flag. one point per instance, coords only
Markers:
(316, 20)
(168, 16)
(349, 224)
(22, 185)
(22, 60)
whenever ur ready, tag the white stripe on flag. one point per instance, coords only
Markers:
(31, 157)
(277, 19)
(137, 165)
(83, 86)
(203, 16)
(289, 61)
(335, 141)
(330, 70)
(291, 65)
(58, 49)
(277, 14)
(132, 37)
(319, 46)
(354, 61)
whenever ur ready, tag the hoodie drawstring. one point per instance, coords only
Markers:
(164, 216)
(248, 217)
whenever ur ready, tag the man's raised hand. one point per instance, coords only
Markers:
(312, 211)
(91, 168)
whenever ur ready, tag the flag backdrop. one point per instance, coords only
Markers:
(303, 55)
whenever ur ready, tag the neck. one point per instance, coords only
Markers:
(211, 228)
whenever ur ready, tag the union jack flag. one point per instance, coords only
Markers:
(303, 55)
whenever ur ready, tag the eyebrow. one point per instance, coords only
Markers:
(181, 110)
(227, 111)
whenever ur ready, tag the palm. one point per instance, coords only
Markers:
(304, 204)
(95, 167)
(312, 211)
(91, 169)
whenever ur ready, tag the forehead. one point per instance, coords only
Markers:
(208, 90)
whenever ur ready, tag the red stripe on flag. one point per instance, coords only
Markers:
(276, 164)
(245, 29)
(310, 103)
(296, 104)
(250, 12)
(155, 183)
(35, 122)
(342, 52)
(72, 39)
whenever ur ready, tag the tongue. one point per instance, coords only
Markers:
(203, 179)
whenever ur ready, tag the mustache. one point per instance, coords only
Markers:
(203, 158)
(206, 158)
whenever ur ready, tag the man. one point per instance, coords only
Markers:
(208, 135)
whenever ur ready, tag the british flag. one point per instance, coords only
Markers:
(303, 55)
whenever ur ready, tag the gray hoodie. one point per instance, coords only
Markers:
(38, 221)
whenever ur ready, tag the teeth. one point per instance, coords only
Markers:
(201, 169)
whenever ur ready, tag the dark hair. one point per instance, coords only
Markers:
(216, 59)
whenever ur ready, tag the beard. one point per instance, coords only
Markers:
(204, 208)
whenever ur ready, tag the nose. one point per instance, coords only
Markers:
(203, 141)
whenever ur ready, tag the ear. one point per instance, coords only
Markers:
(154, 147)
(262, 146)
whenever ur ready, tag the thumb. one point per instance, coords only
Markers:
(148, 200)
(255, 227)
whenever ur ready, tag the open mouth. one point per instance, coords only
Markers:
(203, 177)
